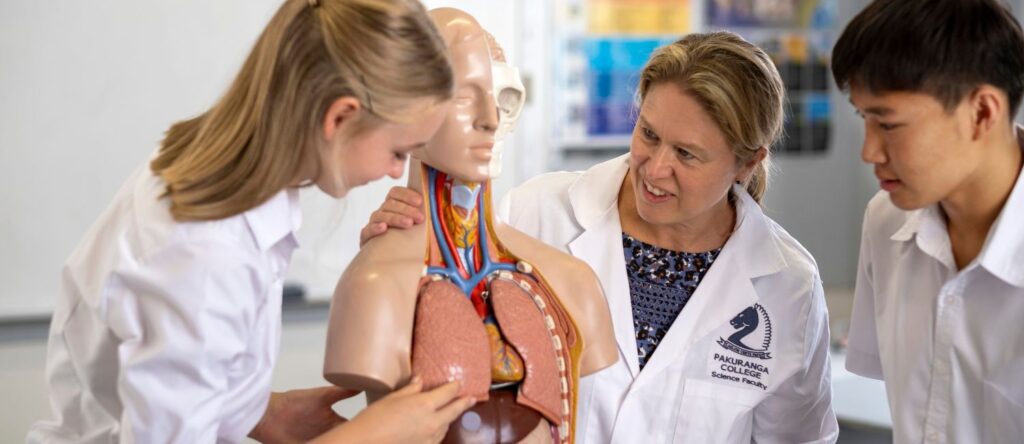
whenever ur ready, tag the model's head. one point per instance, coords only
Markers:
(936, 81)
(711, 107)
(463, 146)
(510, 96)
(334, 93)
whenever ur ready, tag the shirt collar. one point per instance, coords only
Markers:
(927, 228)
(927, 223)
(760, 249)
(276, 219)
(910, 226)
(597, 190)
(1003, 252)
(596, 193)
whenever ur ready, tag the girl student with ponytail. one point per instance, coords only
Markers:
(169, 317)
(719, 314)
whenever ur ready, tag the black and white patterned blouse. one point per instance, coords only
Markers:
(660, 283)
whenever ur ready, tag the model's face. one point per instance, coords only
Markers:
(921, 152)
(680, 165)
(463, 145)
(352, 159)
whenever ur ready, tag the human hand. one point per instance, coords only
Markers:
(402, 208)
(297, 416)
(404, 416)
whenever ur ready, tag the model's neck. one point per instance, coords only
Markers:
(461, 208)
(462, 219)
(462, 197)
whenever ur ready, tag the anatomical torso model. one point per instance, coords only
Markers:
(464, 296)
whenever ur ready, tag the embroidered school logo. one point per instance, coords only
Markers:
(753, 333)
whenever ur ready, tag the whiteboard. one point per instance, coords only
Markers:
(87, 90)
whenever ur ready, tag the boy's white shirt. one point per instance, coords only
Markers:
(949, 344)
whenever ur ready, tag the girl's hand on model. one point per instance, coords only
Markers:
(402, 208)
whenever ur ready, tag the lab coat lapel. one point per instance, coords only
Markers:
(601, 248)
(724, 292)
(593, 199)
(728, 288)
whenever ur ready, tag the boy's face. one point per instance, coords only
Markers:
(922, 153)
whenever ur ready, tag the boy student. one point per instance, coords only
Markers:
(939, 303)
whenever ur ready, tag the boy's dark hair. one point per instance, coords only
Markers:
(943, 48)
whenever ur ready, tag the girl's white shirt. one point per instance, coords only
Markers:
(167, 331)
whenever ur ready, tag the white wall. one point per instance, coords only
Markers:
(820, 199)
(86, 91)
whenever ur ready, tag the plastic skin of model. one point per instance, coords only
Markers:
(510, 96)
(462, 296)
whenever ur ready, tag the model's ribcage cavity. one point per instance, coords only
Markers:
(450, 341)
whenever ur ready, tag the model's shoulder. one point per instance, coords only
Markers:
(541, 254)
(388, 255)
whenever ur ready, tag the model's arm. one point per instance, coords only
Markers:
(369, 332)
(592, 316)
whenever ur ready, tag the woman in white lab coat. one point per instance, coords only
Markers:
(719, 314)
(168, 321)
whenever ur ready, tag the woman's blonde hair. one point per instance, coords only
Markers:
(737, 85)
(253, 142)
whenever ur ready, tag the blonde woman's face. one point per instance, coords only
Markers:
(681, 167)
(353, 160)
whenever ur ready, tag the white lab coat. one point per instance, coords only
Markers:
(166, 331)
(697, 387)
